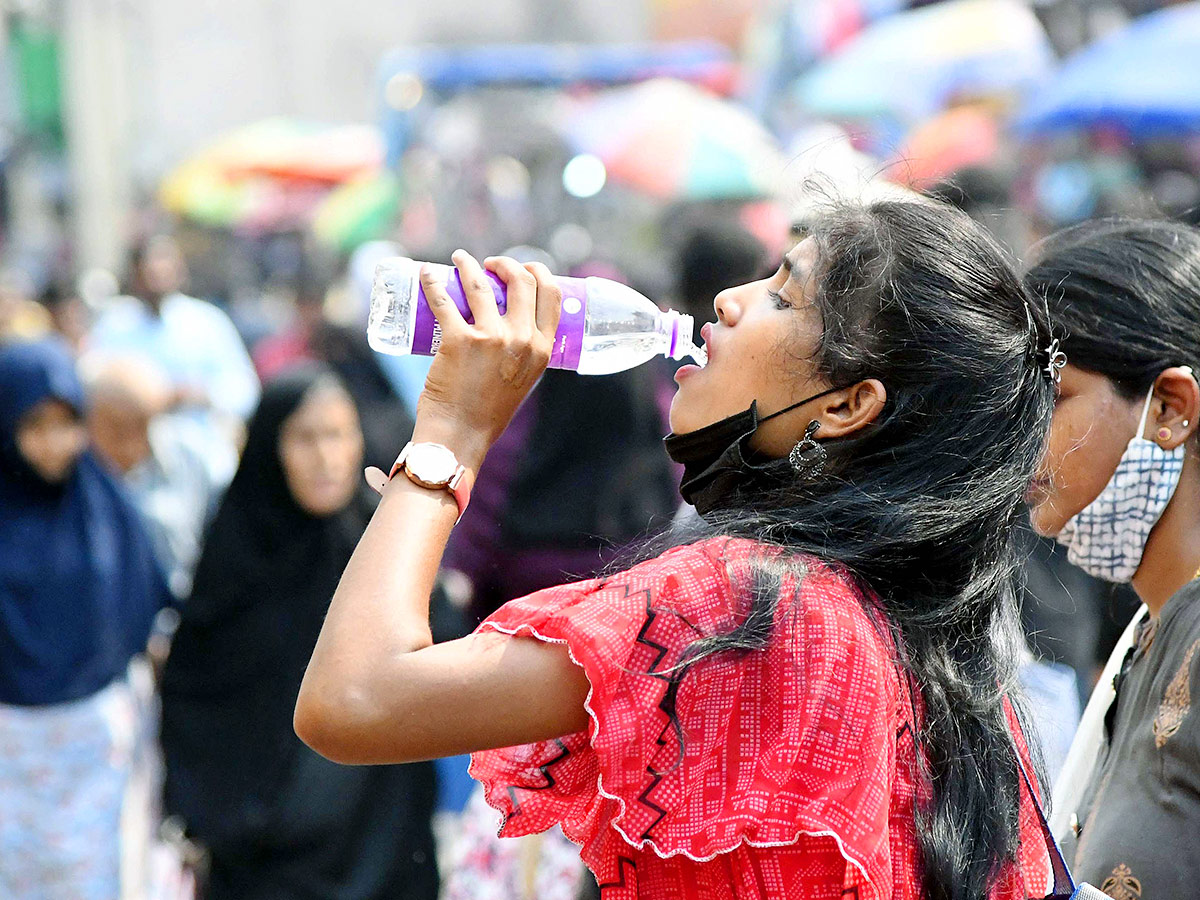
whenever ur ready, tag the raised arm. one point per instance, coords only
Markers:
(377, 690)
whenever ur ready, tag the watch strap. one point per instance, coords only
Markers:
(459, 485)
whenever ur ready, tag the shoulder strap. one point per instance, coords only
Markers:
(1064, 884)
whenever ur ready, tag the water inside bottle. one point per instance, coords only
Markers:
(697, 353)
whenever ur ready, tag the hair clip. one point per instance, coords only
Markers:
(1057, 361)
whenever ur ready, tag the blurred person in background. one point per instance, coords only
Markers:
(314, 337)
(68, 313)
(212, 378)
(1120, 489)
(294, 344)
(20, 315)
(713, 255)
(79, 589)
(277, 819)
(162, 471)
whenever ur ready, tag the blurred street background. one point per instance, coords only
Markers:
(260, 130)
(194, 195)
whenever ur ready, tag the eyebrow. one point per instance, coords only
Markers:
(787, 264)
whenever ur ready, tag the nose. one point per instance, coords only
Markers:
(727, 307)
(329, 452)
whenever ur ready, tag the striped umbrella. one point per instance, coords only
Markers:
(675, 141)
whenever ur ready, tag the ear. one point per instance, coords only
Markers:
(854, 408)
(1179, 395)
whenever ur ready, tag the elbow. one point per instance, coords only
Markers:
(348, 713)
(329, 726)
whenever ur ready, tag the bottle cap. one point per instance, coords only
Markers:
(682, 329)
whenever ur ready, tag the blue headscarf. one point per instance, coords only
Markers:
(79, 584)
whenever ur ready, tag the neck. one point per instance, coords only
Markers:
(1172, 554)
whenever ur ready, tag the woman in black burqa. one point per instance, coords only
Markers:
(278, 820)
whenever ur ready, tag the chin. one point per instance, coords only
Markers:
(325, 505)
(1046, 520)
(676, 418)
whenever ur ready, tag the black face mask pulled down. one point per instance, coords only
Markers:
(719, 464)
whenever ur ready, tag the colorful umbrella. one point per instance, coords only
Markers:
(270, 175)
(960, 137)
(673, 140)
(289, 148)
(202, 193)
(912, 64)
(357, 211)
(1145, 77)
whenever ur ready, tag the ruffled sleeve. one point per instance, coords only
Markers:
(756, 748)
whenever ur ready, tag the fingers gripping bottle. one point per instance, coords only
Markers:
(605, 326)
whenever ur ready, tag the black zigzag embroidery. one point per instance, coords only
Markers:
(666, 705)
(623, 862)
(545, 770)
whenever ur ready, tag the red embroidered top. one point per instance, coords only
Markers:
(797, 772)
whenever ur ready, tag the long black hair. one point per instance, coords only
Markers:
(1124, 295)
(919, 507)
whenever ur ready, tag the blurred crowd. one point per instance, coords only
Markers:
(182, 446)
(204, 493)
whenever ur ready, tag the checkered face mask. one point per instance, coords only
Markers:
(1107, 537)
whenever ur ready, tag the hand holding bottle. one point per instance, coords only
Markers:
(483, 370)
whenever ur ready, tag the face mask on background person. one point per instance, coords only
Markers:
(1107, 537)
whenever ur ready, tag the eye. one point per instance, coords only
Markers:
(778, 300)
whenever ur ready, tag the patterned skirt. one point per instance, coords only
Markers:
(64, 770)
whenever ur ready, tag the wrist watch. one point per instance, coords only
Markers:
(434, 466)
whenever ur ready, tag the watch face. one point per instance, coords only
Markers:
(431, 463)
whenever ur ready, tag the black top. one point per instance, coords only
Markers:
(1140, 814)
(279, 820)
(593, 471)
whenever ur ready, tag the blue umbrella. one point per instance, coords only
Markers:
(1145, 77)
(910, 65)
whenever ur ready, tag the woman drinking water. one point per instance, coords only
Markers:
(806, 696)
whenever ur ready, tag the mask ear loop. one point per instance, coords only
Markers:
(787, 409)
(1141, 431)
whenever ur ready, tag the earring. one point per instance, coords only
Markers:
(1164, 433)
(808, 457)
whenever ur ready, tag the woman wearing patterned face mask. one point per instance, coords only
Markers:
(1120, 488)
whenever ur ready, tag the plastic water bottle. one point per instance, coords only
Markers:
(605, 326)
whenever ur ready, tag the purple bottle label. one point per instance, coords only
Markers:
(568, 340)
